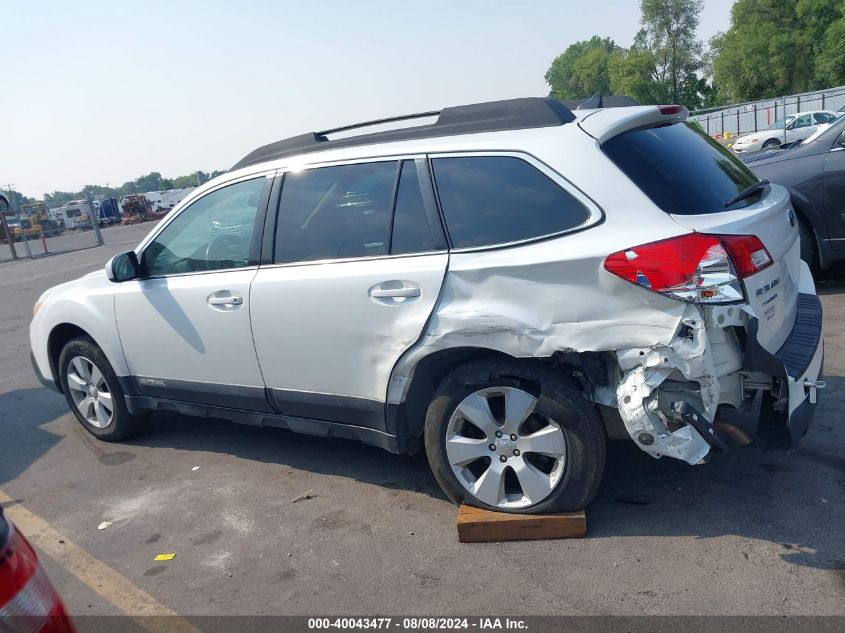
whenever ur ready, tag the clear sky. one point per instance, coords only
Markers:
(95, 92)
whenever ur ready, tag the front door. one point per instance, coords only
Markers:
(185, 326)
(352, 287)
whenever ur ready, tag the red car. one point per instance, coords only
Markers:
(28, 601)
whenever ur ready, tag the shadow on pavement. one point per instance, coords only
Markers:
(329, 456)
(22, 441)
(832, 280)
(794, 501)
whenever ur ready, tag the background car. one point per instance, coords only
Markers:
(814, 173)
(28, 601)
(798, 126)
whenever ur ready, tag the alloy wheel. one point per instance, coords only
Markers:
(90, 392)
(502, 451)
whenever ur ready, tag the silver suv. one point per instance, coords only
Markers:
(507, 286)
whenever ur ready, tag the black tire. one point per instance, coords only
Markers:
(808, 244)
(122, 424)
(557, 399)
(772, 142)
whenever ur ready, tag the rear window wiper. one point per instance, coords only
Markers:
(748, 192)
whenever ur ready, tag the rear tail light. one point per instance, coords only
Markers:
(670, 109)
(28, 601)
(695, 267)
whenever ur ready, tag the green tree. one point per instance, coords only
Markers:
(824, 24)
(153, 181)
(58, 198)
(149, 182)
(582, 69)
(632, 74)
(16, 199)
(777, 47)
(667, 47)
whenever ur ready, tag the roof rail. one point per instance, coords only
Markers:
(493, 116)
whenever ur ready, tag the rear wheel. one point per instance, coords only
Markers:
(515, 437)
(93, 392)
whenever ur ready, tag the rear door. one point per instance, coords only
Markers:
(800, 128)
(359, 259)
(692, 178)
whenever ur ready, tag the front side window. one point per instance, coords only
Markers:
(212, 233)
(490, 200)
(335, 212)
(803, 121)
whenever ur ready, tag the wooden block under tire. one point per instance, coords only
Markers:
(475, 525)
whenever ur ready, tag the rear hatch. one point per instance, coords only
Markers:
(693, 179)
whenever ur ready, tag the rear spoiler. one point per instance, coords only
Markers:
(607, 123)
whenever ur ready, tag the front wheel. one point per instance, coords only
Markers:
(514, 436)
(771, 143)
(94, 393)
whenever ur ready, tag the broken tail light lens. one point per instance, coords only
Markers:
(28, 601)
(695, 267)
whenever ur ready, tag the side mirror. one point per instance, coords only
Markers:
(790, 126)
(123, 267)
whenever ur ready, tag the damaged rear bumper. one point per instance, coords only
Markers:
(786, 413)
(668, 396)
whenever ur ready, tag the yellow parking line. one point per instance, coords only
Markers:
(101, 578)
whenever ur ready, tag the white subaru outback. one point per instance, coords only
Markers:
(508, 286)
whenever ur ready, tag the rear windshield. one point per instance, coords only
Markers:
(681, 169)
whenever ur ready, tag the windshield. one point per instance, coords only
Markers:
(681, 169)
(780, 123)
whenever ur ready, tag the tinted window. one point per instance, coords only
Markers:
(498, 199)
(411, 230)
(803, 121)
(680, 168)
(335, 212)
(823, 117)
(212, 233)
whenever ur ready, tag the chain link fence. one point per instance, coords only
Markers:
(33, 230)
(745, 118)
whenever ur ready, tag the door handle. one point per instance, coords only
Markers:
(392, 293)
(231, 300)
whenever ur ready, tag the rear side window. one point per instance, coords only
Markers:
(335, 212)
(498, 199)
(681, 169)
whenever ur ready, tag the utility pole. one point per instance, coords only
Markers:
(24, 235)
(95, 220)
(9, 237)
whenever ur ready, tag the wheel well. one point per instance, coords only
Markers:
(427, 376)
(56, 342)
(587, 370)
